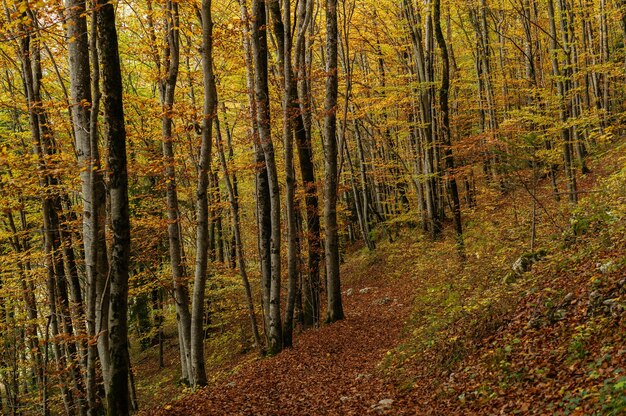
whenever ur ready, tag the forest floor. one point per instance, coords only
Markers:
(331, 370)
(427, 333)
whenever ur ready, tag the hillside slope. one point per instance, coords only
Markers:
(429, 334)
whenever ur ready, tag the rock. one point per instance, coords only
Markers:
(344, 398)
(595, 302)
(567, 299)
(605, 267)
(231, 384)
(521, 265)
(607, 303)
(383, 405)
(525, 262)
(614, 307)
(382, 301)
(349, 292)
(366, 290)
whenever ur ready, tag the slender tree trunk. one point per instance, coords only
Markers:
(292, 231)
(259, 52)
(301, 101)
(199, 377)
(98, 288)
(234, 208)
(80, 85)
(333, 283)
(115, 134)
(445, 127)
(167, 88)
(261, 179)
(364, 191)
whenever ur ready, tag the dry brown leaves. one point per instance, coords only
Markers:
(330, 370)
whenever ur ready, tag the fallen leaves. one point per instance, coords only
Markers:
(466, 344)
(330, 370)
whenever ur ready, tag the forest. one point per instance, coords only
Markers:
(310, 207)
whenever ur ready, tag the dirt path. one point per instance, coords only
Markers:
(331, 370)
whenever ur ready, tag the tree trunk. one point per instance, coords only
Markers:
(167, 88)
(259, 52)
(98, 289)
(115, 134)
(333, 283)
(261, 180)
(199, 377)
(445, 128)
(301, 98)
(290, 180)
(80, 85)
(234, 207)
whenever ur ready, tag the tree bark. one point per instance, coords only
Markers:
(301, 98)
(333, 283)
(445, 128)
(80, 86)
(199, 377)
(259, 53)
(261, 180)
(290, 180)
(115, 134)
(99, 289)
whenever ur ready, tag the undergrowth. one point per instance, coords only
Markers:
(482, 337)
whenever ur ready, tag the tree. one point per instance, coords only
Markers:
(117, 390)
(333, 283)
(445, 126)
(261, 90)
(88, 156)
(292, 231)
(167, 87)
(199, 377)
(43, 146)
(301, 99)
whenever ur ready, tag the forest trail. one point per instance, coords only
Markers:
(330, 370)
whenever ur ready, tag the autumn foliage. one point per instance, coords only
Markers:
(312, 207)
